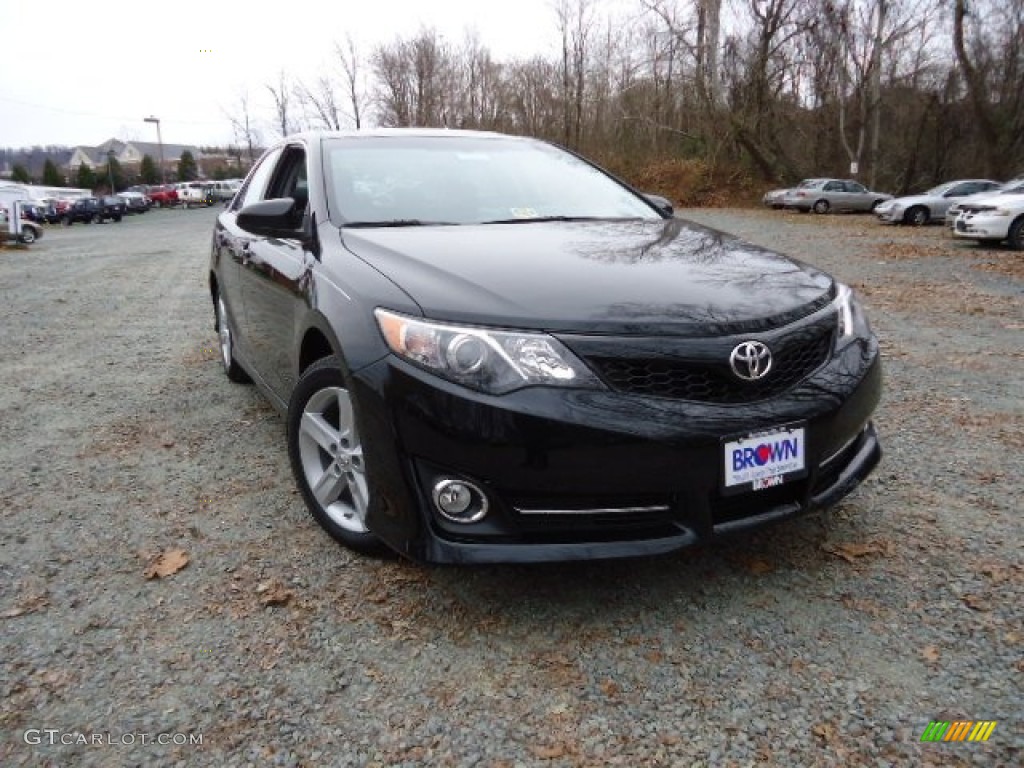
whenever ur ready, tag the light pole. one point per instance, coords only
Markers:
(110, 170)
(160, 141)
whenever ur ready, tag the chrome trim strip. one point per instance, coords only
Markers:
(605, 511)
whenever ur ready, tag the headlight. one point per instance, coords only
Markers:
(489, 360)
(851, 320)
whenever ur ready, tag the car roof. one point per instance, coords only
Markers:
(403, 133)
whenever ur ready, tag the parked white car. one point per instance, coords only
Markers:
(193, 193)
(995, 218)
(933, 204)
(1012, 187)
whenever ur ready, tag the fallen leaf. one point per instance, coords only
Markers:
(852, 550)
(167, 564)
(998, 573)
(610, 688)
(825, 732)
(930, 653)
(977, 603)
(30, 604)
(549, 753)
(273, 593)
(758, 566)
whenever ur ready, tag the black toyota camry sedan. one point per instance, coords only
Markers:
(490, 350)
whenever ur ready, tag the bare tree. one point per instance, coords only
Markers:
(575, 20)
(244, 125)
(281, 93)
(351, 66)
(319, 103)
(993, 72)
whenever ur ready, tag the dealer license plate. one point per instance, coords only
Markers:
(764, 459)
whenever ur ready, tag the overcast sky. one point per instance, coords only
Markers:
(80, 72)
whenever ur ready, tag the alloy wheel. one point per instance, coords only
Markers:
(331, 457)
(224, 334)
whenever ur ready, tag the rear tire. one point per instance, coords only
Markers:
(232, 369)
(27, 236)
(326, 453)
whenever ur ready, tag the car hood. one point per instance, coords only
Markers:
(1012, 200)
(906, 202)
(620, 277)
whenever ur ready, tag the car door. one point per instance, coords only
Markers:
(835, 193)
(233, 245)
(274, 277)
(857, 197)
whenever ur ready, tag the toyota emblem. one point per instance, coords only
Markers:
(751, 360)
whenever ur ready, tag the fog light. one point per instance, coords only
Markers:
(459, 501)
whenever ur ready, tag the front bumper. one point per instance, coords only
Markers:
(889, 216)
(573, 474)
(977, 226)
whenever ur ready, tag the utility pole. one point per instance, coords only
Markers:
(160, 141)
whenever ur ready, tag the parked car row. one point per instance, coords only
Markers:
(188, 194)
(978, 209)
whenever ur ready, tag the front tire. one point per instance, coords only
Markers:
(1015, 237)
(821, 206)
(27, 236)
(326, 453)
(917, 216)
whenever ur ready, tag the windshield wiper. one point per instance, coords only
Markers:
(535, 219)
(397, 223)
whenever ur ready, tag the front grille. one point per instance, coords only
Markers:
(727, 509)
(793, 360)
(595, 519)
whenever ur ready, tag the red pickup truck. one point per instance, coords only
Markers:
(163, 195)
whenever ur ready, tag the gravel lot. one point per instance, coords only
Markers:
(824, 641)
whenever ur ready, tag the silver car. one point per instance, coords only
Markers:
(775, 198)
(933, 204)
(1012, 187)
(824, 195)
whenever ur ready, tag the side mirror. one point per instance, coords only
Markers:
(272, 218)
(661, 203)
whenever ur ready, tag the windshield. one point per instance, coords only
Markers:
(808, 183)
(410, 180)
(939, 190)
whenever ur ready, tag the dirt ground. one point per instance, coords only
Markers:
(161, 579)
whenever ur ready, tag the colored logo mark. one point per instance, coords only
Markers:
(958, 730)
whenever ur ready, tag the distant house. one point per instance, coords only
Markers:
(130, 153)
(32, 159)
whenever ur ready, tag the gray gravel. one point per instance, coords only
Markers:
(824, 641)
